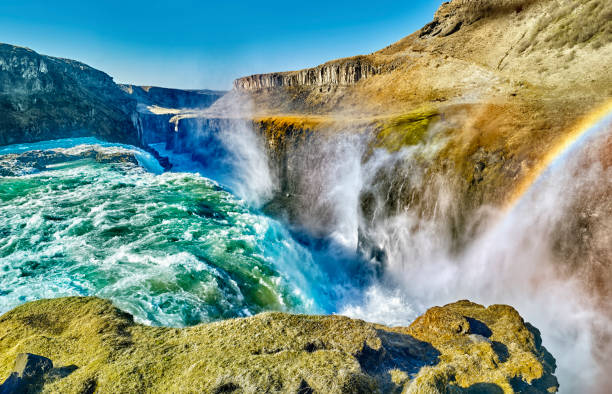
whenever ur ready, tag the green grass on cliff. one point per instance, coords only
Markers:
(406, 129)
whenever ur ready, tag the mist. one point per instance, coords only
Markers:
(387, 230)
(543, 256)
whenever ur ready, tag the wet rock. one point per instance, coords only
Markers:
(116, 157)
(36, 161)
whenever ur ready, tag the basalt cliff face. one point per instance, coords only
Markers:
(458, 348)
(341, 72)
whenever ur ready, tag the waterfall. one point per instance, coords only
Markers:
(549, 256)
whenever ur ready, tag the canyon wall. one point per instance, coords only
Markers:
(339, 73)
(43, 97)
(172, 98)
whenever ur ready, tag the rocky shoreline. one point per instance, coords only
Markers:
(30, 162)
(457, 348)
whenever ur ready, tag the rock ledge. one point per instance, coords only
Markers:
(456, 348)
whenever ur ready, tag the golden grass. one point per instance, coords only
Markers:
(566, 25)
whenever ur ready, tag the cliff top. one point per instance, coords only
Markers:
(472, 50)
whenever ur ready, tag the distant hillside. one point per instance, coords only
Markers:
(172, 98)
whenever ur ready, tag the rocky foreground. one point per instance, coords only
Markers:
(94, 347)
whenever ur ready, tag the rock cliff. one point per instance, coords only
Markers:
(458, 348)
(341, 72)
(500, 82)
(43, 97)
(472, 51)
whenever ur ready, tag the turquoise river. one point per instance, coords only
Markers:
(172, 248)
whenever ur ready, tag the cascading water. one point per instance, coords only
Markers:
(226, 150)
(549, 256)
(172, 249)
(177, 249)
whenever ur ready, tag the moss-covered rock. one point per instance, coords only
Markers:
(478, 345)
(450, 348)
(405, 130)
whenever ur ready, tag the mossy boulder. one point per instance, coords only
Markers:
(491, 349)
(274, 352)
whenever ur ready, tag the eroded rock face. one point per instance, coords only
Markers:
(43, 97)
(453, 15)
(337, 73)
(458, 347)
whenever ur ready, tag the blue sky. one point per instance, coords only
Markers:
(201, 44)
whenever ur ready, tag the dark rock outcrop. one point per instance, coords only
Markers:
(155, 127)
(44, 97)
(27, 374)
(451, 16)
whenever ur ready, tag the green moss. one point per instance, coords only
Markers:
(405, 130)
(271, 352)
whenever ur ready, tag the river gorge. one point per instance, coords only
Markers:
(319, 230)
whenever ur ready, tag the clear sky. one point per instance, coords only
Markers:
(202, 44)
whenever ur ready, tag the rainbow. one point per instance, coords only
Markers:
(584, 125)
